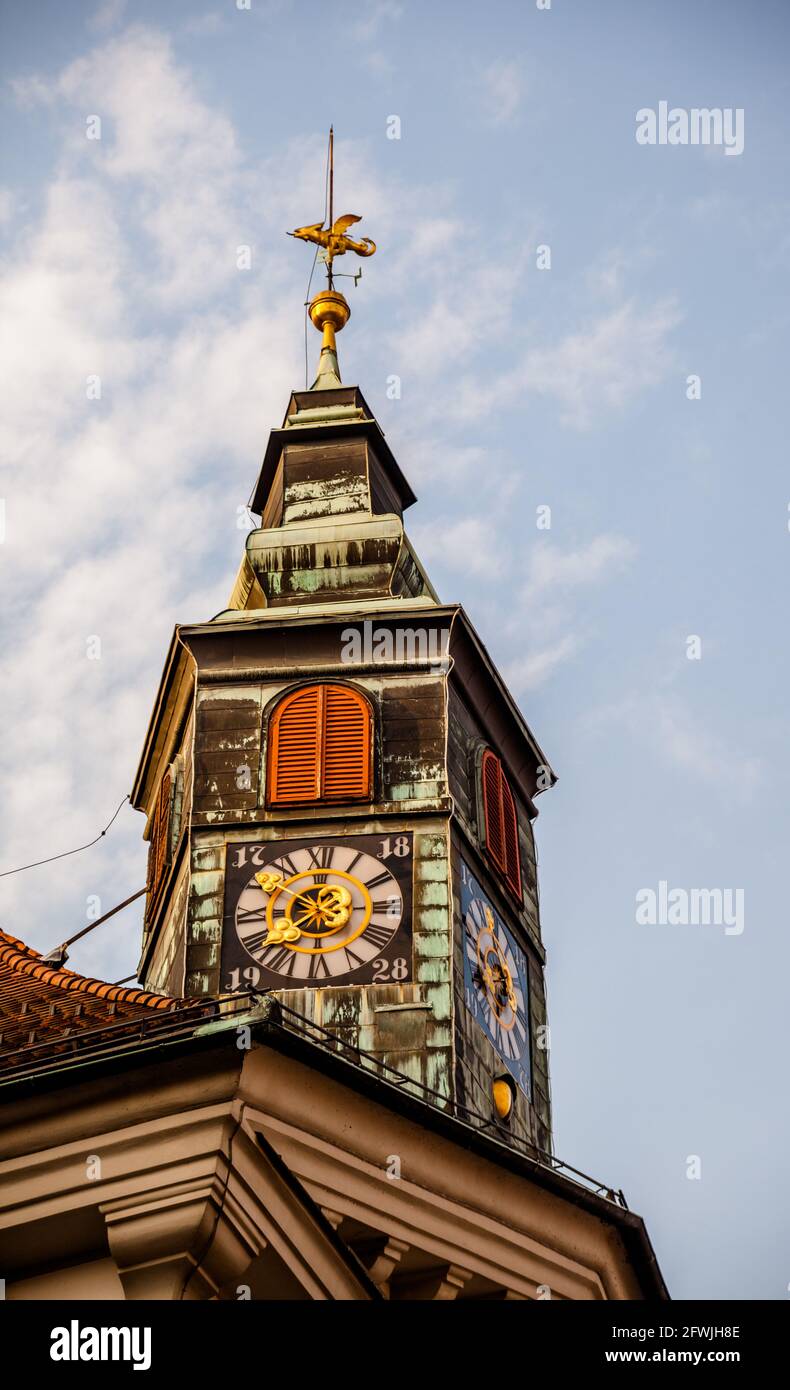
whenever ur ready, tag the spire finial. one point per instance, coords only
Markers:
(329, 310)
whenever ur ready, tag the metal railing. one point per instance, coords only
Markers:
(52, 1056)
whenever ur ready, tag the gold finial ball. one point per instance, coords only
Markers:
(329, 307)
(502, 1093)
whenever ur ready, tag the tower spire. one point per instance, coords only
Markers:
(329, 310)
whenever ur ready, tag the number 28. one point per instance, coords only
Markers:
(390, 970)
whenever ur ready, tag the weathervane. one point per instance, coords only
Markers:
(329, 310)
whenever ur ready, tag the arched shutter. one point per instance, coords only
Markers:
(295, 752)
(320, 746)
(347, 739)
(492, 808)
(501, 822)
(159, 850)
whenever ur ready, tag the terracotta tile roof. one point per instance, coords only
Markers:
(41, 1005)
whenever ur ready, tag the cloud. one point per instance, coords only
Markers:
(590, 374)
(207, 24)
(544, 623)
(453, 327)
(664, 721)
(551, 568)
(603, 368)
(372, 15)
(467, 545)
(533, 669)
(502, 88)
(7, 206)
(107, 16)
(161, 141)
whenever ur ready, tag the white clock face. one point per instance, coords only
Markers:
(496, 980)
(310, 914)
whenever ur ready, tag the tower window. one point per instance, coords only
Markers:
(501, 822)
(320, 746)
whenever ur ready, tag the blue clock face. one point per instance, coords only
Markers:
(496, 980)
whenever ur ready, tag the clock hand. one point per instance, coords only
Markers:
(273, 883)
(332, 906)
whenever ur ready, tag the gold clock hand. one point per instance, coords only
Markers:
(332, 905)
(271, 883)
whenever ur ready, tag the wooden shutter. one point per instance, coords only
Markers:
(346, 750)
(320, 746)
(501, 822)
(159, 851)
(492, 809)
(295, 747)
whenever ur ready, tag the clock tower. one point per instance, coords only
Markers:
(340, 791)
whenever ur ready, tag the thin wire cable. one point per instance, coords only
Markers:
(38, 862)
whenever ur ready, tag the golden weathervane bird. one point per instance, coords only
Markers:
(334, 239)
(329, 310)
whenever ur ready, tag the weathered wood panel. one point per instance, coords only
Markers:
(324, 479)
(273, 511)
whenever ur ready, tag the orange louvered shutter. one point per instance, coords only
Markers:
(320, 746)
(346, 750)
(492, 809)
(295, 748)
(501, 822)
(159, 850)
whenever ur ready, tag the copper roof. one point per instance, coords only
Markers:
(51, 1008)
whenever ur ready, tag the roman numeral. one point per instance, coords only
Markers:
(251, 914)
(354, 862)
(382, 905)
(321, 856)
(318, 968)
(377, 881)
(282, 962)
(379, 936)
(257, 939)
(287, 866)
(354, 960)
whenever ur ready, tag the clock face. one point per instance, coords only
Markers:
(496, 980)
(312, 913)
